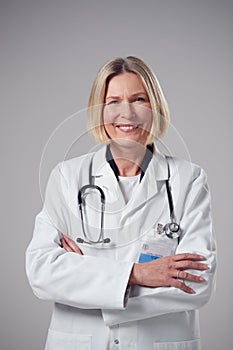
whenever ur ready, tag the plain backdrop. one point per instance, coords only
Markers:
(50, 53)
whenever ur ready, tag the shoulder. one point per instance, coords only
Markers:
(187, 171)
(73, 166)
(79, 167)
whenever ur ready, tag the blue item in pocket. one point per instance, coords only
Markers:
(147, 257)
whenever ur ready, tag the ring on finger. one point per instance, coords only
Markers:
(177, 275)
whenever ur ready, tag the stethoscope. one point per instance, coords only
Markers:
(82, 194)
(171, 229)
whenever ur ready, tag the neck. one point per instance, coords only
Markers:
(128, 160)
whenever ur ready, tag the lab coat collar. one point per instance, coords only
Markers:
(100, 167)
(157, 166)
(157, 172)
(104, 177)
(149, 187)
(145, 162)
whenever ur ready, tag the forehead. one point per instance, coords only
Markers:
(128, 82)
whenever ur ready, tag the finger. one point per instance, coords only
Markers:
(66, 246)
(69, 241)
(188, 256)
(186, 264)
(182, 286)
(183, 275)
(71, 244)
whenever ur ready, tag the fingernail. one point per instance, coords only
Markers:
(201, 279)
(192, 291)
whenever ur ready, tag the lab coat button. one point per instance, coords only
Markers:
(116, 341)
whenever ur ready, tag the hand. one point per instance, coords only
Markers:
(167, 272)
(69, 245)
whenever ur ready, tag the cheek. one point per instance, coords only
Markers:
(107, 121)
(108, 118)
(146, 117)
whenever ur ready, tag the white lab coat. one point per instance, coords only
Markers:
(93, 307)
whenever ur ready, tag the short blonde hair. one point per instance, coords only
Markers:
(112, 68)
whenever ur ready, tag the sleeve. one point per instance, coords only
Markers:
(198, 238)
(81, 281)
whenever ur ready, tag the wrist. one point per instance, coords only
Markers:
(135, 274)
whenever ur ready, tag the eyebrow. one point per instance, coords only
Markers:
(135, 94)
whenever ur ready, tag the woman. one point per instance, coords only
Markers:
(119, 275)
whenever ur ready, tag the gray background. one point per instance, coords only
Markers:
(50, 53)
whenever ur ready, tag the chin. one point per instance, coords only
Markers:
(128, 142)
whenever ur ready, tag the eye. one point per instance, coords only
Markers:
(140, 99)
(111, 102)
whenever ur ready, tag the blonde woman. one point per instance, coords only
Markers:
(123, 245)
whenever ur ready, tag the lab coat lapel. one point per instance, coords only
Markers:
(156, 172)
(104, 177)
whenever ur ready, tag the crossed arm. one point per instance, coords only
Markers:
(167, 271)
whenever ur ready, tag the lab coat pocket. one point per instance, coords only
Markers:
(68, 341)
(183, 345)
(155, 246)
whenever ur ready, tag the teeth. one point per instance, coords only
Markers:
(128, 127)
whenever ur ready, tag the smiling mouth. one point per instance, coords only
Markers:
(127, 127)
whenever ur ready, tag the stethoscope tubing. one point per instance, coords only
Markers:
(81, 194)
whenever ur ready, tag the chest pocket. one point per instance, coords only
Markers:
(69, 341)
(154, 246)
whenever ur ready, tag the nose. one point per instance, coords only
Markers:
(127, 110)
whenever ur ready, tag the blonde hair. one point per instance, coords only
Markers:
(110, 69)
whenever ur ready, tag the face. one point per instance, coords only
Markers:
(127, 112)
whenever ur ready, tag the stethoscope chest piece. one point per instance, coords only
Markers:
(172, 230)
